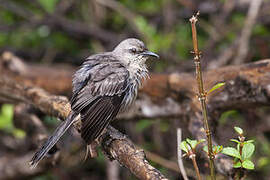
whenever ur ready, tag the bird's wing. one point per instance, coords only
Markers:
(99, 97)
(97, 117)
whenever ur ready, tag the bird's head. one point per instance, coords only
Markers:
(133, 52)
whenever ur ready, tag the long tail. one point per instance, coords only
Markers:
(52, 140)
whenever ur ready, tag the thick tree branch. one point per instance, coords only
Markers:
(164, 95)
(115, 144)
(175, 87)
(119, 147)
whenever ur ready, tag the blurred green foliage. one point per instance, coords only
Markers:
(149, 6)
(52, 121)
(230, 115)
(141, 125)
(48, 5)
(6, 121)
(260, 30)
(6, 117)
(176, 41)
(45, 176)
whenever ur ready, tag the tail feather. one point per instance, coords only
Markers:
(52, 140)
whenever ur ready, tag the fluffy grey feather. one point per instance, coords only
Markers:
(105, 84)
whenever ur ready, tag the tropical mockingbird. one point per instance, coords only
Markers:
(105, 84)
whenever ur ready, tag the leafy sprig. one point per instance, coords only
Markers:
(243, 151)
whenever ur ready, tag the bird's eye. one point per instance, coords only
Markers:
(133, 50)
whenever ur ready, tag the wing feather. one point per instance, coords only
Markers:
(101, 85)
(98, 116)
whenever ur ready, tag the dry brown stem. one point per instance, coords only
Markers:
(202, 98)
(196, 167)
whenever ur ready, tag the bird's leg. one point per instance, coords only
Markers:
(91, 150)
(87, 152)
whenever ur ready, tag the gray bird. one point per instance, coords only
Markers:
(105, 84)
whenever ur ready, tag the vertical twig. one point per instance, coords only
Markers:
(202, 93)
(240, 173)
(193, 158)
(179, 154)
(250, 21)
(112, 170)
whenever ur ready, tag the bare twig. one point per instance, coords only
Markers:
(202, 94)
(112, 170)
(193, 158)
(179, 154)
(246, 31)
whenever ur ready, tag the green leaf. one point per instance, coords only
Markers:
(238, 130)
(234, 140)
(217, 86)
(230, 151)
(249, 141)
(184, 146)
(219, 149)
(237, 164)
(248, 164)
(192, 143)
(248, 150)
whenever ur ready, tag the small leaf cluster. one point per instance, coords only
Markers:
(189, 146)
(243, 152)
(215, 148)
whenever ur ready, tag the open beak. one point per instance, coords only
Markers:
(149, 53)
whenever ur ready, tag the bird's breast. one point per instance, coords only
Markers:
(134, 83)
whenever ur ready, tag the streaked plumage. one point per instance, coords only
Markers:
(105, 84)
